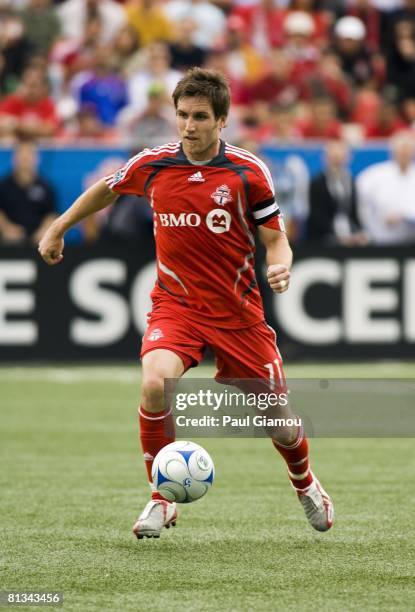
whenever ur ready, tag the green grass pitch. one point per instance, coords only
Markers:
(72, 483)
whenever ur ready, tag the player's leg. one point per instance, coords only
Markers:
(169, 348)
(155, 417)
(252, 353)
(156, 431)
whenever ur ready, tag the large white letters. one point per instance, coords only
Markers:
(361, 300)
(15, 301)
(110, 308)
(369, 313)
(290, 308)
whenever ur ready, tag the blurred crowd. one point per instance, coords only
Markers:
(103, 70)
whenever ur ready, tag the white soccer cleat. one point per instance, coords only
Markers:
(156, 515)
(317, 505)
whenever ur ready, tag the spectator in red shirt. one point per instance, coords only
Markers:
(30, 112)
(277, 86)
(388, 121)
(299, 30)
(328, 79)
(277, 83)
(282, 124)
(322, 122)
(263, 22)
(365, 108)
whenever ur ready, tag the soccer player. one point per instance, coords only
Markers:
(208, 198)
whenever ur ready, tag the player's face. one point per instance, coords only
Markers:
(198, 128)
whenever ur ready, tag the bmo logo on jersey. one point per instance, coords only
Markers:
(181, 220)
(219, 221)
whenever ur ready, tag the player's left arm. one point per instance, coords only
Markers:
(267, 217)
(278, 257)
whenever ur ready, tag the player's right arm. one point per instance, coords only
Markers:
(131, 178)
(96, 198)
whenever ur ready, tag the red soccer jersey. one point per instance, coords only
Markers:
(16, 106)
(204, 219)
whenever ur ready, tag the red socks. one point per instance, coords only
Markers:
(156, 431)
(296, 458)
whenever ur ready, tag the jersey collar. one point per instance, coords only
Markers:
(220, 157)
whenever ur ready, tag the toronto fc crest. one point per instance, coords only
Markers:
(222, 195)
(156, 334)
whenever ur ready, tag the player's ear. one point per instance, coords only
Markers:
(222, 122)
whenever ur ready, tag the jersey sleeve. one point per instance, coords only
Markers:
(264, 207)
(131, 178)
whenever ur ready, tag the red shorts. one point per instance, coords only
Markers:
(250, 352)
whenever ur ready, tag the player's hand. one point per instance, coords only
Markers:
(51, 248)
(278, 277)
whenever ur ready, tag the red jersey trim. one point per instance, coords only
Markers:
(145, 157)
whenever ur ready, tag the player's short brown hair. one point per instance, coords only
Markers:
(210, 84)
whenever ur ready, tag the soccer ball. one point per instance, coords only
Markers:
(183, 472)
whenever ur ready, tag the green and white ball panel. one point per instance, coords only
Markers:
(172, 491)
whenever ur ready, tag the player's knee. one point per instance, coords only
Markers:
(152, 392)
(284, 434)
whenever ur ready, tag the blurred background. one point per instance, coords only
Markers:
(323, 91)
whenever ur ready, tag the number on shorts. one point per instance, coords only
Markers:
(275, 373)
